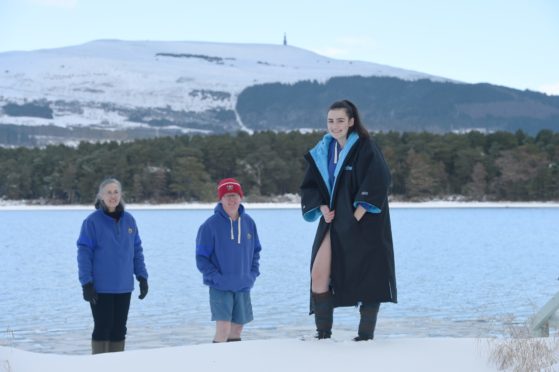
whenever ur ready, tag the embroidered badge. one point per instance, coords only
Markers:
(249, 236)
(130, 230)
(229, 187)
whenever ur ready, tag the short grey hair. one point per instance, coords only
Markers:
(108, 181)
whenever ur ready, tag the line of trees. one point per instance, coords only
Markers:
(390, 103)
(475, 166)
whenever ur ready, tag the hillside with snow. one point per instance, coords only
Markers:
(122, 90)
(116, 85)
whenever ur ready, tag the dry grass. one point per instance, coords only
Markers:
(7, 338)
(520, 352)
(5, 365)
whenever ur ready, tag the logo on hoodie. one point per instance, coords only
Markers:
(249, 236)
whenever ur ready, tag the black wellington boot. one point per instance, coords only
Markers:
(99, 347)
(323, 314)
(115, 346)
(368, 322)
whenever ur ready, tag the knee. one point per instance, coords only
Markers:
(319, 285)
(320, 277)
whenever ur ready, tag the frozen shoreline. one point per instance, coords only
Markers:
(22, 206)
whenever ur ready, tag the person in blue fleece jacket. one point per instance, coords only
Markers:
(109, 255)
(227, 255)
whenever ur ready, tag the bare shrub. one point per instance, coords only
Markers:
(520, 352)
(5, 365)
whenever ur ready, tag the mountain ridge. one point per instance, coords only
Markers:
(113, 89)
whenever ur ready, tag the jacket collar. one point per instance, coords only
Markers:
(319, 153)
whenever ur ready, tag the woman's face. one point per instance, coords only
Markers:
(339, 124)
(111, 196)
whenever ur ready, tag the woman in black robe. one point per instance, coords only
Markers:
(346, 186)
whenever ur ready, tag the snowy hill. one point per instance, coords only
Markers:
(147, 86)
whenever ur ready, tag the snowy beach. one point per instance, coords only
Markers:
(8, 205)
(427, 354)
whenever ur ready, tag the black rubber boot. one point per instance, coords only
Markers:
(99, 347)
(367, 322)
(115, 346)
(323, 314)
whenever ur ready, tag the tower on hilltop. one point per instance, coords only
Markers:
(284, 38)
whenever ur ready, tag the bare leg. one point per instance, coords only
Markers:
(235, 332)
(320, 273)
(222, 330)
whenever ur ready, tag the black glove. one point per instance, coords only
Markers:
(89, 293)
(143, 287)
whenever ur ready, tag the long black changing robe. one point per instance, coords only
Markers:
(362, 252)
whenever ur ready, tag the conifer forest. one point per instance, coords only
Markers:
(499, 166)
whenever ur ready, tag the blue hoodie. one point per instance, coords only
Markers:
(228, 252)
(110, 253)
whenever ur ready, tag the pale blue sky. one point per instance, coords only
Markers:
(507, 42)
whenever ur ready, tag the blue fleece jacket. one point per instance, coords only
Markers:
(228, 254)
(110, 253)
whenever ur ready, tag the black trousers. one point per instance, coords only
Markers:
(110, 314)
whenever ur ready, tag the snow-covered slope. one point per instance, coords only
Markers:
(102, 83)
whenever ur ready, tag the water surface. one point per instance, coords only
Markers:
(460, 272)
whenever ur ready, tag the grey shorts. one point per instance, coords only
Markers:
(230, 306)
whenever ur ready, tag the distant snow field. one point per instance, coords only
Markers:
(106, 75)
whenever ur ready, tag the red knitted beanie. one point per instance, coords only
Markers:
(227, 186)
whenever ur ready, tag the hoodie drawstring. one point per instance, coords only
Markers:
(239, 236)
(239, 230)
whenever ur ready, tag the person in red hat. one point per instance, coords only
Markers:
(227, 255)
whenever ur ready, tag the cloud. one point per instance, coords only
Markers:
(55, 3)
(552, 89)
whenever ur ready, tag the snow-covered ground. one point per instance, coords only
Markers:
(157, 74)
(98, 82)
(413, 355)
(25, 205)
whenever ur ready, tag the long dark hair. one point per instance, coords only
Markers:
(352, 112)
